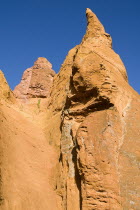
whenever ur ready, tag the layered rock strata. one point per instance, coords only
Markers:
(83, 151)
(36, 81)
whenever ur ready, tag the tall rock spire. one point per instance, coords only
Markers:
(95, 30)
(100, 126)
(93, 24)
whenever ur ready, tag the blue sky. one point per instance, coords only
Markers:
(39, 28)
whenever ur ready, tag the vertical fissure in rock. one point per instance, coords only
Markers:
(77, 175)
(1, 194)
(68, 153)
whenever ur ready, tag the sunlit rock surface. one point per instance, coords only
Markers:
(75, 143)
(36, 81)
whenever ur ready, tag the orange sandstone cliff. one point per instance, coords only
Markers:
(71, 141)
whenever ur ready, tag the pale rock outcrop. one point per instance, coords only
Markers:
(36, 81)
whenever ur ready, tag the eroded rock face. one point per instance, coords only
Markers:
(26, 158)
(5, 91)
(99, 126)
(36, 81)
(84, 153)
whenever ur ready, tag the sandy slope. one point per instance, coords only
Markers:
(26, 160)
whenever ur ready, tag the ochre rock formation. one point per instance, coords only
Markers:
(5, 92)
(36, 81)
(79, 148)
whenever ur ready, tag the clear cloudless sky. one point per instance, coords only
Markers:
(39, 28)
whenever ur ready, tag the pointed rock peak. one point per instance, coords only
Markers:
(96, 30)
(93, 23)
(36, 81)
(42, 62)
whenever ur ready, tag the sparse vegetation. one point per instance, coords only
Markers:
(38, 103)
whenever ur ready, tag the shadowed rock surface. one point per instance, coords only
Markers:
(78, 148)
